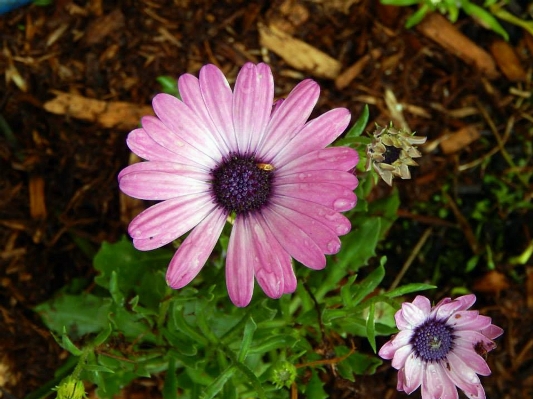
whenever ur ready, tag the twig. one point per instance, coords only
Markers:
(412, 257)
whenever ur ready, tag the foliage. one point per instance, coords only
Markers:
(487, 15)
(130, 324)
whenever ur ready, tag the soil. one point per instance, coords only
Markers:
(58, 190)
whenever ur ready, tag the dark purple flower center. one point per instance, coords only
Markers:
(391, 154)
(433, 340)
(242, 183)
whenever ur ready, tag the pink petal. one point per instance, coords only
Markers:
(492, 331)
(442, 312)
(466, 301)
(168, 220)
(436, 383)
(422, 303)
(329, 195)
(239, 264)
(331, 158)
(140, 143)
(218, 99)
(294, 240)
(252, 104)
(387, 351)
(468, 320)
(464, 377)
(288, 119)
(401, 355)
(181, 120)
(325, 215)
(269, 257)
(189, 88)
(344, 179)
(155, 180)
(414, 371)
(173, 142)
(315, 135)
(413, 314)
(194, 251)
(325, 238)
(472, 359)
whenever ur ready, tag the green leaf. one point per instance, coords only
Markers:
(67, 344)
(371, 327)
(271, 343)
(97, 367)
(359, 126)
(217, 385)
(247, 339)
(170, 387)
(315, 388)
(64, 311)
(137, 272)
(417, 17)
(486, 18)
(103, 335)
(408, 288)
(400, 3)
(368, 285)
(357, 363)
(169, 85)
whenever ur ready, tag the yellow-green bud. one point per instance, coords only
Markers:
(283, 374)
(70, 388)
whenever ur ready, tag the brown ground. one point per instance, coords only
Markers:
(58, 174)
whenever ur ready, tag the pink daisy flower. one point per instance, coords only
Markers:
(219, 153)
(441, 347)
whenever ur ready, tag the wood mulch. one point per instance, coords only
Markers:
(79, 74)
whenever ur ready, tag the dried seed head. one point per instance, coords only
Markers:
(392, 151)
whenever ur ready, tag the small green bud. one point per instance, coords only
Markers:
(70, 388)
(283, 374)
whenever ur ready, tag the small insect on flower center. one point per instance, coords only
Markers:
(433, 340)
(242, 184)
(392, 154)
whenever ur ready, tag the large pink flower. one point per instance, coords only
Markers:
(441, 347)
(219, 153)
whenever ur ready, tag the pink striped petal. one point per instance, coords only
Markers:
(344, 179)
(288, 119)
(218, 99)
(267, 256)
(464, 377)
(315, 135)
(422, 303)
(330, 195)
(436, 384)
(170, 140)
(252, 104)
(331, 158)
(294, 240)
(414, 372)
(239, 264)
(325, 238)
(194, 251)
(189, 88)
(400, 356)
(168, 220)
(140, 143)
(162, 180)
(412, 314)
(183, 121)
(326, 216)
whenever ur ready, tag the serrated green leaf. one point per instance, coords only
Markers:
(315, 388)
(247, 339)
(216, 386)
(368, 284)
(64, 311)
(97, 367)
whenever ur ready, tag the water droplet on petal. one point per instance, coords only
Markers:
(339, 204)
(342, 229)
